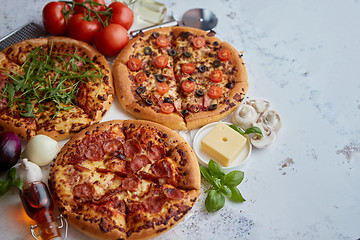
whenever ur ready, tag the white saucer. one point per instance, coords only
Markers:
(205, 158)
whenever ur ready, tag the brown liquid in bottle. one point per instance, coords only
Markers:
(39, 206)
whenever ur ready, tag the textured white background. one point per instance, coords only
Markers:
(304, 57)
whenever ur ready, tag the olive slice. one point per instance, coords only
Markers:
(160, 78)
(185, 112)
(140, 90)
(229, 85)
(147, 51)
(167, 100)
(172, 52)
(148, 102)
(187, 54)
(216, 63)
(202, 68)
(191, 79)
(199, 93)
(213, 106)
(147, 72)
(155, 35)
(185, 34)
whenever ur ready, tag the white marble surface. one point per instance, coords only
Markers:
(304, 57)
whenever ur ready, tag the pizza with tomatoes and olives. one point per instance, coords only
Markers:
(125, 179)
(53, 86)
(181, 77)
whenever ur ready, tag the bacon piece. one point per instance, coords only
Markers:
(94, 152)
(83, 192)
(112, 145)
(173, 193)
(129, 184)
(154, 204)
(131, 148)
(177, 104)
(139, 162)
(207, 101)
(155, 152)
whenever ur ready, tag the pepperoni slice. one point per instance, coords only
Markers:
(139, 162)
(162, 41)
(111, 145)
(224, 54)
(161, 61)
(199, 42)
(173, 193)
(133, 207)
(155, 152)
(94, 152)
(129, 184)
(162, 169)
(131, 147)
(83, 192)
(154, 204)
(134, 64)
(188, 68)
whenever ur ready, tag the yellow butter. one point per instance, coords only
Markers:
(223, 144)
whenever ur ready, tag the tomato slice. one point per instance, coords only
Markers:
(134, 64)
(161, 61)
(162, 88)
(198, 42)
(162, 41)
(188, 86)
(188, 68)
(224, 54)
(140, 77)
(216, 75)
(167, 108)
(214, 92)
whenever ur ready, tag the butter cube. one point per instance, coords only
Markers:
(223, 144)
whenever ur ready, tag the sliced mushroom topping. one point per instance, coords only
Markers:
(272, 120)
(268, 137)
(244, 116)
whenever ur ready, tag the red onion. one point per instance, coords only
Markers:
(10, 149)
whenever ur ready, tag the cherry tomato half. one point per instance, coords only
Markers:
(167, 108)
(188, 86)
(198, 42)
(224, 54)
(161, 61)
(134, 64)
(53, 18)
(188, 68)
(83, 30)
(121, 14)
(216, 75)
(214, 92)
(111, 39)
(162, 88)
(162, 41)
(140, 77)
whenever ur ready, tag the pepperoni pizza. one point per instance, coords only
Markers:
(54, 86)
(181, 77)
(125, 179)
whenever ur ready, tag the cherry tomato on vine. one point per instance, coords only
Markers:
(97, 5)
(53, 18)
(121, 14)
(82, 29)
(111, 39)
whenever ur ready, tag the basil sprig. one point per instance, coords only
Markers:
(221, 185)
(10, 182)
(253, 129)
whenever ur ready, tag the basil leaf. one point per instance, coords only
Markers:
(237, 128)
(236, 195)
(206, 174)
(255, 130)
(10, 182)
(225, 190)
(214, 201)
(215, 169)
(18, 183)
(233, 178)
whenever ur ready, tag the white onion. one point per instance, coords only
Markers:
(41, 150)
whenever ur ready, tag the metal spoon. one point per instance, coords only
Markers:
(197, 18)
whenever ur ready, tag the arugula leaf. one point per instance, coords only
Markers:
(10, 182)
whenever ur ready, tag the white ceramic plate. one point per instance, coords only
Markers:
(205, 158)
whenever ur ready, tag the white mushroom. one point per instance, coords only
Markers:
(272, 120)
(268, 136)
(244, 116)
(260, 105)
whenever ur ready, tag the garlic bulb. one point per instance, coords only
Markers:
(28, 172)
(244, 116)
(41, 150)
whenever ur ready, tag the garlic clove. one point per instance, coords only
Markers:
(268, 136)
(272, 120)
(244, 116)
(41, 150)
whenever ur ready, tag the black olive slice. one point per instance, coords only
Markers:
(229, 85)
(187, 54)
(191, 79)
(216, 63)
(202, 68)
(167, 100)
(160, 78)
(213, 106)
(147, 72)
(185, 112)
(199, 93)
(147, 51)
(140, 90)
(155, 34)
(172, 52)
(148, 102)
(185, 34)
